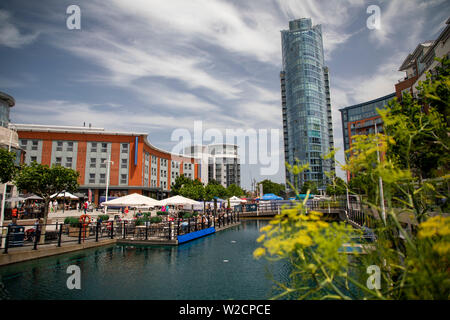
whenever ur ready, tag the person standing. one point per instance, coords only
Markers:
(14, 213)
(86, 204)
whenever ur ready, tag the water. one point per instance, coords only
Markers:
(219, 266)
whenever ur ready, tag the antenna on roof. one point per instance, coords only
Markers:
(84, 124)
(90, 125)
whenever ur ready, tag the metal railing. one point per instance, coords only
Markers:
(28, 236)
(16, 237)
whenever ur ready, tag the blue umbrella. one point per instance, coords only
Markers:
(271, 196)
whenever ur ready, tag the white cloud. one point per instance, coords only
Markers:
(10, 35)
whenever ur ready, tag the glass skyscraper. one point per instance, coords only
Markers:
(306, 106)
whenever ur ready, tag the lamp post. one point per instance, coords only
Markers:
(380, 182)
(109, 162)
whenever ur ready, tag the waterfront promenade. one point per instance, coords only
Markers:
(62, 238)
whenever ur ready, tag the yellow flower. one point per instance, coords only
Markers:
(258, 253)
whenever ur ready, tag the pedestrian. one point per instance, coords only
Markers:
(86, 204)
(14, 213)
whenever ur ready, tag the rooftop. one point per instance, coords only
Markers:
(6, 97)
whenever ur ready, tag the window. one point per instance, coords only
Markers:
(92, 178)
(124, 163)
(58, 161)
(123, 178)
(69, 162)
(93, 146)
(23, 144)
(33, 159)
(124, 148)
(70, 146)
(102, 178)
(34, 145)
(93, 163)
(104, 147)
(59, 146)
(103, 163)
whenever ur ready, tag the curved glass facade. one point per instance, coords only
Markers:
(4, 113)
(305, 116)
(6, 102)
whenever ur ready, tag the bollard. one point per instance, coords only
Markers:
(96, 231)
(7, 241)
(36, 237)
(79, 234)
(60, 234)
(112, 229)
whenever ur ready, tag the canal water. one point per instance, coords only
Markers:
(220, 266)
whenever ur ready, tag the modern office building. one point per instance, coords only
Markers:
(306, 107)
(137, 165)
(220, 162)
(362, 118)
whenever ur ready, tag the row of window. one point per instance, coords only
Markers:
(102, 178)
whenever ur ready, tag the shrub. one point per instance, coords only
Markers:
(162, 213)
(155, 220)
(72, 221)
(104, 217)
(185, 215)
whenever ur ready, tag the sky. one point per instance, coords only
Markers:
(160, 66)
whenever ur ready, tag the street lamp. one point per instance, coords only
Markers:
(380, 182)
(109, 162)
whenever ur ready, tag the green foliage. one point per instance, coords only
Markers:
(414, 264)
(45, 181)
(273, 187)
(72, 221)
(155, 219)
(337, 187)
(162, 213)
(235, 190)
(9, 169)
(310, 186)
(104, 217)
(215, 190)
(180, 181)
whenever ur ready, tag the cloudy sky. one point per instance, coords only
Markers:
(159, 65)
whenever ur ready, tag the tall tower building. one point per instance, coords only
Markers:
(306, 105)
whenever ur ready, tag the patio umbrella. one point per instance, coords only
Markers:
(133, 200)
(178, 200)
(15, 199)
(66, 195)
(33, 197)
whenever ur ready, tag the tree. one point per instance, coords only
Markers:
(235, 190)
(273, 187)
(7, 165)
(179, 182)
(309, 185)
(337, 188)
(44, 181)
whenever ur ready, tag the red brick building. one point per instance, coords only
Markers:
(137, 165)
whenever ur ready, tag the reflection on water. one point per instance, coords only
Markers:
(194, 270)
